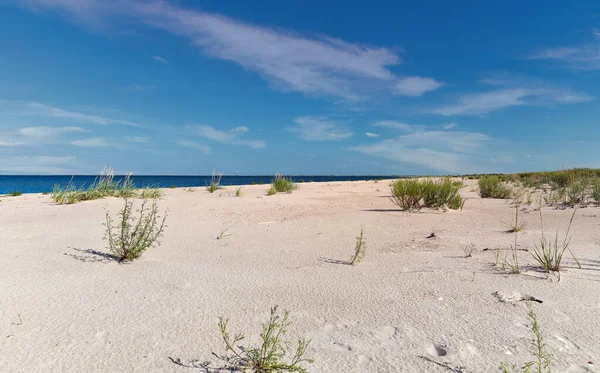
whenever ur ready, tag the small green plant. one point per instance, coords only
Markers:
(413, 194)
(596, 190)
(15, 193)
(360, 250)
(45, 193)
(215, 182)
(223, 234)
(103, 186)
(281, 184)
(469, 250)
(132, 236)
(238, 192)
(543, 362)
(549, 253)
(517, 226)
(493, 187)
(151, 193)
(270, 355)
(407, 194)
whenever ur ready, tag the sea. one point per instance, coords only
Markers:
(45, 183)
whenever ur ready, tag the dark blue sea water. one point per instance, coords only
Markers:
(41, 184)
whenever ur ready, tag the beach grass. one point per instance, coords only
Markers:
(215, 182)
(15, 193)
(493, 187)
(360, 250)
(414, 194)
(281, 184)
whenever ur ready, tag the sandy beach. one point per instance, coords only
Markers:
(414, 304)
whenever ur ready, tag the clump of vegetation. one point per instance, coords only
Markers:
(517, 226)
(103, 186)
(549, 253)
(493, 187)
(412, 194)
(596, 190)
(215, 182)
(151, 193)
(268, 357)
(238, 192)
(469, 250)
(133, 235)
(543, 362)
(281, 184)
(360, 250)
(15, 193)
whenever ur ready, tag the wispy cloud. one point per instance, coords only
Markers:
(138, 139)
(416, 86)
(316, 65)
(319, 129)
(371, 134)
(489, 101)
(449, 126)
(94, 142)
(52, 111)
(581, 57)
(160, 59)
(48, 131)
(446, 151)
(398, 125)
(11, 144)
(194, 145)
(231, 136)
(36, 164)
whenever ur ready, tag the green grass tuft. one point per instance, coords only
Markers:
(412, 194)
(215, 182)
(15, 193)
(281, 184)
(360, 250)
(493, 187)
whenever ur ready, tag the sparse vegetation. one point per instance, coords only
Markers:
(104, 186)
(542, 362)
(360, 250)
(549, 253)
(15, 193)
(268, 357)
(215, 182)
(151, 193)
(223, 234)
(281, 184)
(518, 225)
(469, 250)
(493, 187)
(238, 192)
(133, 235)
(413, 194)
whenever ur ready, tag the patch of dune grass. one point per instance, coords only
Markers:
(150, 193)
(493, 187)
(413, 194)
(15, 193)
(281, 184)
(215, 182)
(103, 186)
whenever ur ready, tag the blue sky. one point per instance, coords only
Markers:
(303, 87)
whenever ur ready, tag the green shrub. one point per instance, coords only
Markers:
(132, 236)
(493, 187)
(151, 193)
(282, 184)
(270, 355)
(360, 250)
(238, 192)
(412, 194)
(407, 194)
(15, 193)
(596, 190)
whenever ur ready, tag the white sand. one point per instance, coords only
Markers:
(413, 305)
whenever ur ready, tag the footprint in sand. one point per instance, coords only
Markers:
(436, 350)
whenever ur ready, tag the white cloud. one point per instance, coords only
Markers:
(160, 59)
(231, 136)
(319, 129)
(36, 164)
(416, 86)
(371, 134)
(583, 56)
(398, 125)
(62, 113)
(47, 131)
(318, 65)
(449, 126)
(446, 151)
(138, 139)
(486, 102)
(194, 145)
(93, 142)
(10, 144)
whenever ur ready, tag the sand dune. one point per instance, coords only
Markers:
(414, 304)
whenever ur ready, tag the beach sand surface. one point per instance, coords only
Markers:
(414, 304)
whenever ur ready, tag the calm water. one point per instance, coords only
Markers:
(40, 184)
